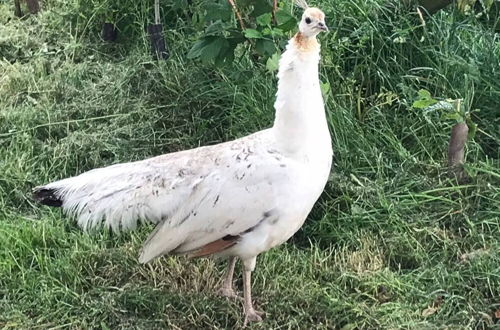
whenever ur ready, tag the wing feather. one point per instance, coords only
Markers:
(196, 197)
(229, 201)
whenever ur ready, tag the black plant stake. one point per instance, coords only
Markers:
(17, 8)
(156, 35)
(109, 32)
(33, 6)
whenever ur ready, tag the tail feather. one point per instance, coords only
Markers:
(47, 196)
(117, 197)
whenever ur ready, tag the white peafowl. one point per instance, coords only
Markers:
(235, 199)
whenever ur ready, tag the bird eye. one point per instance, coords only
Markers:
(308, 20)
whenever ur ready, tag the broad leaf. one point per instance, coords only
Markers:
(252, 34)
(260, 7)
(424, 100)
(215, 29)
(197, 48)
(218, 11)
(282, 16)
(285, 21)
(422, 104)
(452, 116)
(424, 94)
(213, 49)
(208, 48)
(264, 19)
(265, 47)
(273, 62)
(325, 88)
(277, 32)
(226, 54)
(472, 129)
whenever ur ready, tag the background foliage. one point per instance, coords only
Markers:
(393, 242)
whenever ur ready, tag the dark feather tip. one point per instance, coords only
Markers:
(47, 197)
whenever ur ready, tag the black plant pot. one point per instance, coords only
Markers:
(109, 32)
(158, 46)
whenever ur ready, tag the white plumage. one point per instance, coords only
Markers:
(238, 198)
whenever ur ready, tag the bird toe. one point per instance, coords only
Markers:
(252, 316)
(228, 293)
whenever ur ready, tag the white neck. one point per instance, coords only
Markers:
(300, 116)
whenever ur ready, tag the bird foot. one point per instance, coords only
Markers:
(228, 293)
(252, 315)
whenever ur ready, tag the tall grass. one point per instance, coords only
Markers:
(391, 236)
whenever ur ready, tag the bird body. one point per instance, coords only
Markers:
(238, 198)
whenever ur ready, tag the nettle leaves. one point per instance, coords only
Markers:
(448, 109)
(262, 34)
(217, 45)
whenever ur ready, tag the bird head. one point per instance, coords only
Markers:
(312, 22)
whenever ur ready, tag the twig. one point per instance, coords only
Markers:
(456, 147)
(237, 12)
(157, 12)
(275, 7)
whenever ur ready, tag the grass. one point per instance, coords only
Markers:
(393, 243)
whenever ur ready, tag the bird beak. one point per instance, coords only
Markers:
(322, 26)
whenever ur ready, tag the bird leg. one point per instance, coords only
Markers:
(251, 315)
(227, 285)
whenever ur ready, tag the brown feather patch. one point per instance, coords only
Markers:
(305, 44)
(215, 246)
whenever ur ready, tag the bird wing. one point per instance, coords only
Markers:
(195, 196)
(230, 196)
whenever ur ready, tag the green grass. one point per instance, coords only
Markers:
(391, 236)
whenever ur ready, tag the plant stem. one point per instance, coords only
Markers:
(456, 148)
(275, 7)
(237, 12)
(157, 11)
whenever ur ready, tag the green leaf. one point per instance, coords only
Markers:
(259, 6)
(285, 21)
(197, 48)
(252, 34)
(273, 62)
(422, 104)
(211, 50)
(265, 47)
(472, 129)
(325, 88)
(452, 116)
(282, 16)
(208, 48)
(218, 11)
(266, 31)
(264, 19)
(277, 32)
(424, 94)
(272, 32)
(226, 55)
(424, 100)
(215, 29)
